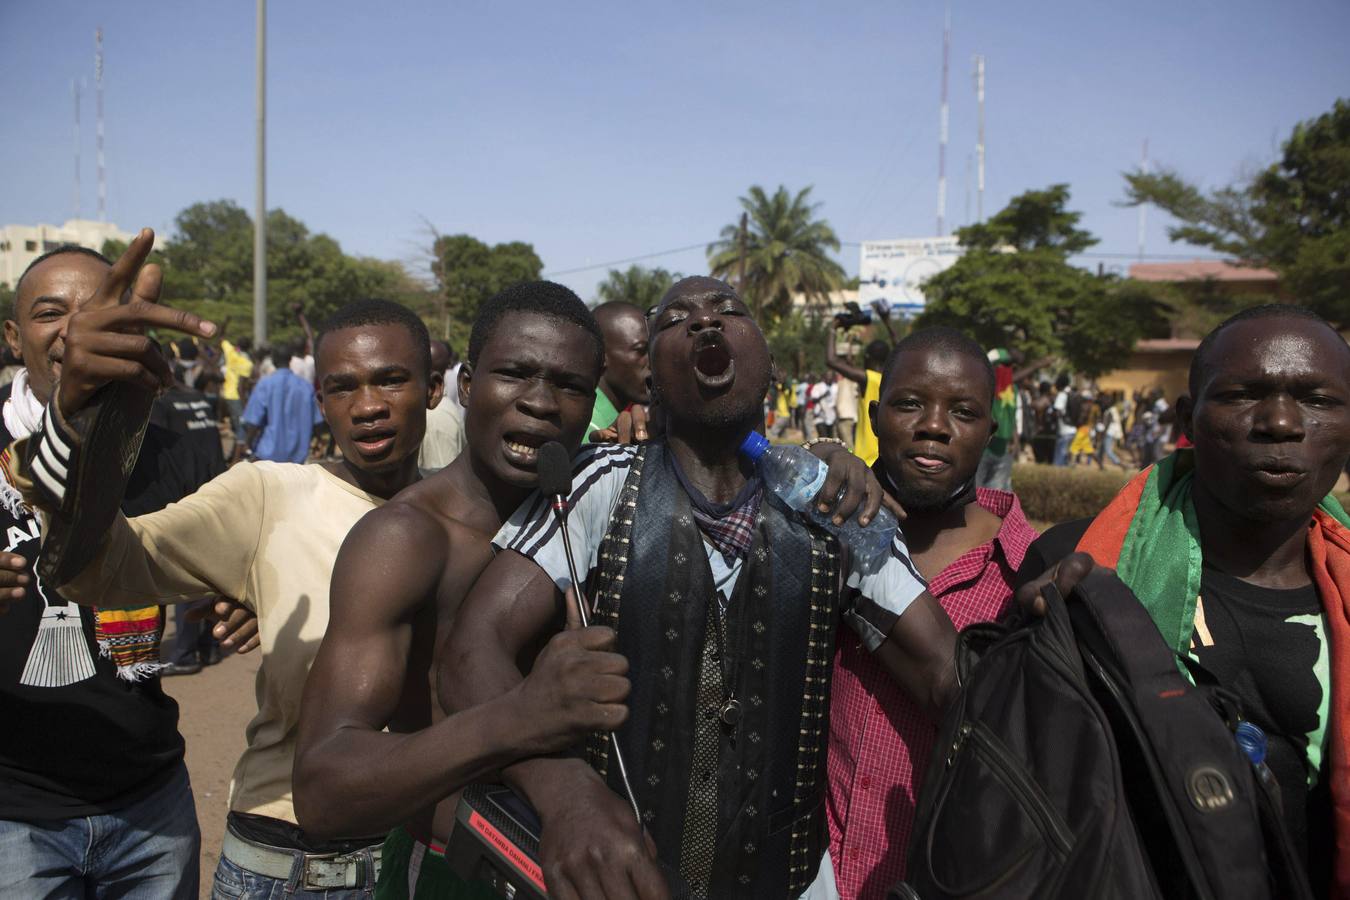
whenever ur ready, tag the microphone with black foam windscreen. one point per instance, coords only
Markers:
(555, 483)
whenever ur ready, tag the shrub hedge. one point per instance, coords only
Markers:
(1054, 494)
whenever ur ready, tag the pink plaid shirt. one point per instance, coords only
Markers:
(879, 740)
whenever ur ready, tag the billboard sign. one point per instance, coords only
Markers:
(891, 271)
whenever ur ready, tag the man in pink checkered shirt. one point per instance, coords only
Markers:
(933, 421)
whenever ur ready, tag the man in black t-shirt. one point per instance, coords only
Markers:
(180, 453)
(1270, 422)
(94, 796)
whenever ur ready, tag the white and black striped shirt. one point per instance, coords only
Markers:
(598, 475)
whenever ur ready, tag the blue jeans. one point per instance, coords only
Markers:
(234, 882)
(1062, 444)
(236, 410)
(995, 471)
(1109, 450)
(145, 851)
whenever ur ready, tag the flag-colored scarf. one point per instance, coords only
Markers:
(1149, 535)
(128, 636)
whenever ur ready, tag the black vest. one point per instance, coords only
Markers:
(738, 810)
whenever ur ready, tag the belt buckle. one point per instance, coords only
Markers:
(344, 870)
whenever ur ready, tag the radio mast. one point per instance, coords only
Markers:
(98, 82)
(979, 146)
(942, 126)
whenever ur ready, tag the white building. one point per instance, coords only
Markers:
(21, 244)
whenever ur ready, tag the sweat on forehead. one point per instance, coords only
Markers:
(1286, 334)
(697, 287)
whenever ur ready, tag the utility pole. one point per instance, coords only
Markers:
(740, 280)
(1143, 168)
(260, 203)
(75, 90)
(98, 81)
(979, 146)
(942, 126)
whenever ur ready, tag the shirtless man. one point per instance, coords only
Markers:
(535, 357)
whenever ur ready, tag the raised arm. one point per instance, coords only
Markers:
(309, 332)
(591, 845)
(351, 776)
(840, 365)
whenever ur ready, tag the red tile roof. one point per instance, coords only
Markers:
(1199, 269)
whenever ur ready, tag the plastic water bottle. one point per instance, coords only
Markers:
(1252, 740)
(795, 475)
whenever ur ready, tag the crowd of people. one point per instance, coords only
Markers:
(412, 593)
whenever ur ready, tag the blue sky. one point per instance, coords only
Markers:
(604, 131)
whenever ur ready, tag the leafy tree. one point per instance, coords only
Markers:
(208, 269)
(1014, 287)
(637, 285)
(797, 343)
(1035, 220)
(786, 252)
(1293, 216)
(468, 271)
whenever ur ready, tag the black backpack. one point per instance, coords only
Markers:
(1078, 762)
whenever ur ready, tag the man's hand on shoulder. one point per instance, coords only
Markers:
(850, 487)
(105, 338)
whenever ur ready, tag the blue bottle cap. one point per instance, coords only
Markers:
(754, 446)
(1252, 740)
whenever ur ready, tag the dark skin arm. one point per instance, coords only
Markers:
(591, 845)
(841, 365)
(353, 778)
(920, 654)
(304, 324)
(884, 314)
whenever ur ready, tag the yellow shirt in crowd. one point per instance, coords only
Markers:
(251, 534)
(866, 444)
(237, 366)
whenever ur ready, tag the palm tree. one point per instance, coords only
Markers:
(637, 285)
(785, 252)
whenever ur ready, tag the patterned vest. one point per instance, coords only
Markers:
(738, 810)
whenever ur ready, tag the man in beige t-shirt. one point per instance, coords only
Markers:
(444, 439)
(267, 534)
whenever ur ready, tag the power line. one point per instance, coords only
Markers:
(631, 259)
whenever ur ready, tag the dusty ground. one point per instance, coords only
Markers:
(214, 706)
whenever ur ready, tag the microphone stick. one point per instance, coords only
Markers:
(555, 482)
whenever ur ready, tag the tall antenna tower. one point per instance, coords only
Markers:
(1143, 168)
(942, 126)
(75, 200)
(98, 81)
(970, 171)
(979, 146)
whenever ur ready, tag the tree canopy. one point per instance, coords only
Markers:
(468, 271)
(787, 251)
(208, 269)
(1014, 287)
(1292, 216)
(637, 285)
